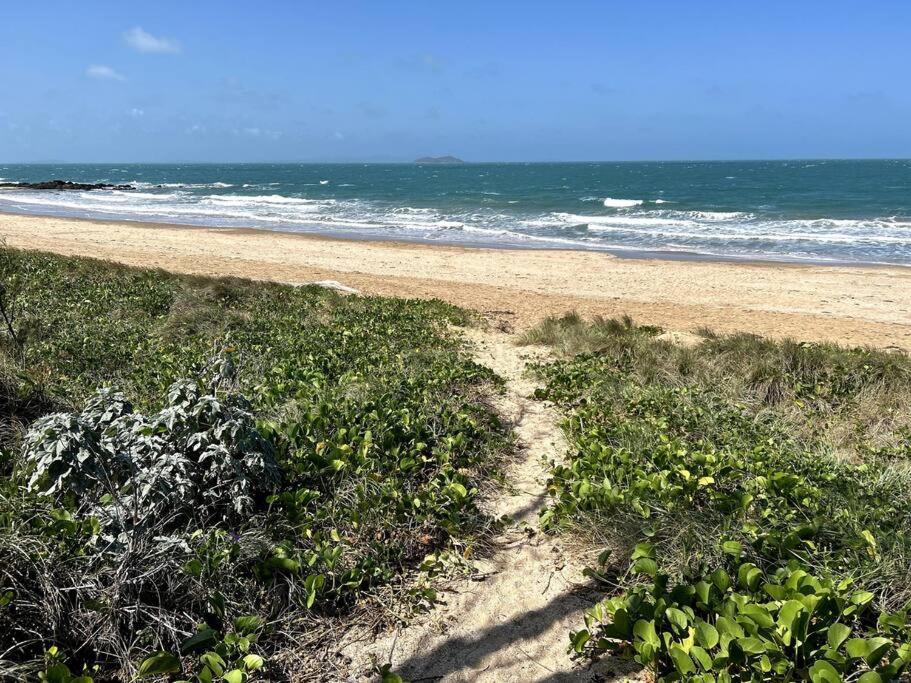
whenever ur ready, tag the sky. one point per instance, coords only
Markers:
(486, 81)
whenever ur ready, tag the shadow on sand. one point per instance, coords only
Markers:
(463, 654)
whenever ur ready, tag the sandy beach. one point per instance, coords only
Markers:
(849, 305)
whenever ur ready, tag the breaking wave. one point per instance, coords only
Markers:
(612, 203)
(622, 224)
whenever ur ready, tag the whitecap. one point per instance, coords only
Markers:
(260, 199)
(639, 224)
(719, 215)
(132, 195)
(612, 203)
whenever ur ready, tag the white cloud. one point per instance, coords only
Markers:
(141, 41)
(104, 73)
(135, 112)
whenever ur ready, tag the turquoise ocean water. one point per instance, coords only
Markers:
(838, 211)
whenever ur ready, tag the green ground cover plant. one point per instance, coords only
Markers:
(761, 488)
(200, 476)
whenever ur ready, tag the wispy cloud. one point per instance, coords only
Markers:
(104, 73)
(143, 41)
(136, 112)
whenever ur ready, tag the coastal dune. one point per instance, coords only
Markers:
(856, 305)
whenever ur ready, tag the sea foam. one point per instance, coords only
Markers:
(612, 203)
(553, 211)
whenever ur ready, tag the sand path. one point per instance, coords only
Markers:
(513, 624)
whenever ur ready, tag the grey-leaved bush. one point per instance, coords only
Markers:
(200, 459)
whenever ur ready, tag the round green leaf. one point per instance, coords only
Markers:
(837, 634)
(253, 662)
(677, 618)
(706, 635)
(158, 663)
(823, 672)
(235, 676)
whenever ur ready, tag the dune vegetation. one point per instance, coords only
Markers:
(206, 478)
(209, 479)
(761, 489)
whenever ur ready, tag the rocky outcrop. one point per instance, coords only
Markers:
(65, 185)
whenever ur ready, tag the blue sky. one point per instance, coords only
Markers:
(389, 81)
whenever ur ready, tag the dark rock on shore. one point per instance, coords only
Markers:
(65, 185)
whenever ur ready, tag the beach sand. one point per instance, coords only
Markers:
(517, 288)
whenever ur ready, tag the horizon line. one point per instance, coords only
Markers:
(455, 163)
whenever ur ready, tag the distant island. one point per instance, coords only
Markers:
(439, 160)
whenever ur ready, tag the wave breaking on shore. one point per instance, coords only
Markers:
(395, 205)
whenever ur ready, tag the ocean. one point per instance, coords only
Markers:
(820, 211)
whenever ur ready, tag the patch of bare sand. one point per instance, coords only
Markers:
(857, 306)
(514, 624)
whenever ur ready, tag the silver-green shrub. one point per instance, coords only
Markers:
(199, 460)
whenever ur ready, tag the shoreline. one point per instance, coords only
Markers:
(618, 252)
(855, 305)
